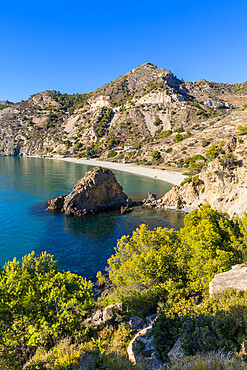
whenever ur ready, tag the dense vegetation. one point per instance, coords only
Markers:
(101, 125)
(164, 263)
(68, 103)
(225, 88)
(39, 306)
(43, 311)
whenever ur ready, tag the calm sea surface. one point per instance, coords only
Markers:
(81, 245)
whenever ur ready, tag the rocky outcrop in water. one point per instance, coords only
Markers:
(97, 191)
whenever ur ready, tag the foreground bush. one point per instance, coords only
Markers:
(218, 323)
(154, 266)
(39, 306)
(104, 350)
(210, 361)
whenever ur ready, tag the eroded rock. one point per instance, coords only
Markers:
(177, 352)
(103, 315)
(97, 191)
(135, 323)
(234, 278)
(222, 184)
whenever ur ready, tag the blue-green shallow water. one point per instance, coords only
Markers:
(81, 245)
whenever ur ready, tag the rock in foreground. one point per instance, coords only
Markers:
(97, 191)
(235, 278)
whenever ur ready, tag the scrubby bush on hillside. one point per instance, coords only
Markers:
(157, 122)
(178, 138)
(242, 130)
(156, 155)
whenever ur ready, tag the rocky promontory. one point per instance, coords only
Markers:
(97, 191)
(222, 184)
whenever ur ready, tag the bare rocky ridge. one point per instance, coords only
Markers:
(5, 102)
(97, 191)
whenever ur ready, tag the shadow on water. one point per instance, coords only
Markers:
(83, 245)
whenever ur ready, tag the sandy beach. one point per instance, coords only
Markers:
(172, 177)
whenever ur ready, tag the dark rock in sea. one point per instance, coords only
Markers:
(56, 204)
(128, 208)
(97, 191)
(151, 201)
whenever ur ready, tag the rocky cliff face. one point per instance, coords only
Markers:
(97, 191)
(136, 110)
(222, 184)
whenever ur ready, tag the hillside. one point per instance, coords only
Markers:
(146, 110)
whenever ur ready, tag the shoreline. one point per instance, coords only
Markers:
(172, 177)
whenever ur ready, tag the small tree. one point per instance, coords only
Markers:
(156, 155)
(212, 152)
(178, 138)
(157, 122)
(39, 306)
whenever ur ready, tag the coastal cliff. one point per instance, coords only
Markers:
(222, 183)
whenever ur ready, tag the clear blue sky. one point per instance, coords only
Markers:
(77, 46)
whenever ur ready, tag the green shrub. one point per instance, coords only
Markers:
(242, 130)
(169, 150)
(205, 142)
(166, 262)
(165, 133)
(199, 112)
(158, 122)
(178, 138)
(195, 180)
(45, 307)
(156, 155)
(179, 129)
(111, 154)
(166, 331)
(212, 152)
(187, 179)
(199, 335)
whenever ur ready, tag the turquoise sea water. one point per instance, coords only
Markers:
(81, 245)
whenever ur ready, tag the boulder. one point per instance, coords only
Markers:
(234, 278)
(97, 191)
(150, 320)
(135, 323)
(56, 204)
(150, 201)
(103, 315)
(177, 352)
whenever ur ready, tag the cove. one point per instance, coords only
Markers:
(81, 245)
